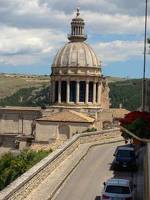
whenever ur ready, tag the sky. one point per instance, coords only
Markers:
(32, 31)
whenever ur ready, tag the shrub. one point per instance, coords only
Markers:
(12, 166)
(138, 123)
(90, 130)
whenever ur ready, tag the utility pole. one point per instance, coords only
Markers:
(144, 67)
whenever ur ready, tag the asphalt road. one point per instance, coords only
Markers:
(86, 182)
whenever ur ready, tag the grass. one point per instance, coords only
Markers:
(11, 84)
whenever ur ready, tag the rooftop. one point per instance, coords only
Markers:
(68, 116)
(19, 108)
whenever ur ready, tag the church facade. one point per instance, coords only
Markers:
(79, 95)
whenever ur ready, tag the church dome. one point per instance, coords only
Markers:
(76, 54)
(76, 78)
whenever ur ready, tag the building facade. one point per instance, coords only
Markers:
(79, 96)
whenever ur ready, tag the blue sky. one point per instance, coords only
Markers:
(33, 30)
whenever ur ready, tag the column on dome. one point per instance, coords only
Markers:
(87, 92)
(77, 91)
(99, 93)
(53, 91)
(77, 33)
(68, 91)
(59, 91)
(94, 92)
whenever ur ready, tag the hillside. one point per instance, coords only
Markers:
(128, 93)
(34, 91)
(11, 83)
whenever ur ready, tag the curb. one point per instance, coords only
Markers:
(74, 167)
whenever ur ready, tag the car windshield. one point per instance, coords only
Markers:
(125, 153)
(117, 189)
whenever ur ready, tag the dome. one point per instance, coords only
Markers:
(76, 54)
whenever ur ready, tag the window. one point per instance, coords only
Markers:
(73, 91)
(117, 189)
(90, 91)
(82, 91)
(56, 91)
(63, 91)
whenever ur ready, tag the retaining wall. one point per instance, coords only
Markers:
(22, 186)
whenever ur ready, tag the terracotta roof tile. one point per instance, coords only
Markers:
(68, 116)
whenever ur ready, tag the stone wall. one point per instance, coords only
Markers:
(22, 186)
(103, 118)
(47, 131)
(17, 121)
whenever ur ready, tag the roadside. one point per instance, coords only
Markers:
(55, 180)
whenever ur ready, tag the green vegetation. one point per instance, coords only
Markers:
(12, 166)
(28, 97)
(128, 93)
(90, 130)
(34, 91)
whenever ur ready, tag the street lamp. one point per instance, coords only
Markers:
(144, 67)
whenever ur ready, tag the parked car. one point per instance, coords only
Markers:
(125, 158)
(118, 189)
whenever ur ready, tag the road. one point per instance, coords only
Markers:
(86, 182)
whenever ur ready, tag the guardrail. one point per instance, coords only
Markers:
(22, 186)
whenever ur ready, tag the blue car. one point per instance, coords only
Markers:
(125, 159)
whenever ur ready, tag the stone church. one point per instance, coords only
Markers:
(79, 96)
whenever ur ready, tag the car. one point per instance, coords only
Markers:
(125, 158)
(118, 189)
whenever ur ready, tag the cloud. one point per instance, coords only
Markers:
(33, 30)
(102, 16)
(18, 46)
(118, 50)
(114, 24)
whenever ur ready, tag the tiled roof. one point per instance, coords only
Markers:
(68, 116)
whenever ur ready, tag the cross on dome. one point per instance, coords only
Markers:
(78, 12)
